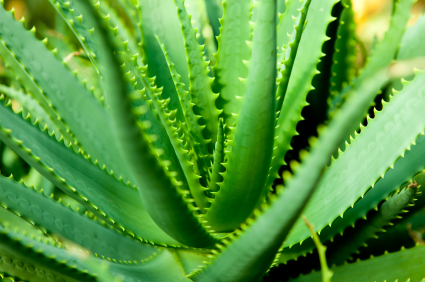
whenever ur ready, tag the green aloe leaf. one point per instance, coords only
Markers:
(74, 265)
(405, 265)
(161, 194)
(199, 81)
(270, 228)
(362, 151)
(344, 58)
(116, 203)
(374, 68)
(404, 168)
(71, 99)
(50, 216)
(287, 58)
(158, 19)
(308, 56)
(217, 167)
(389, 210)
(233, 51)
(286, 22)
(252, 139)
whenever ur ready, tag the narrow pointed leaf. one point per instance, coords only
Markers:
(111, 200)
(55, 218)
(253, 137)
(217, 167)
(215, 13)
(286, 23)
(33, 89)
(405, 265)
(344, 58)
(33, 107)
(287, 57)
(191, 120)
(169, 122)
(304, 69)
(160, 192)
(158, 19)
(74, 265)
(338, 254)
(71, 99)
(37, 261)
(338, 177)
(232, 53)
(199, 81)
(404, 168)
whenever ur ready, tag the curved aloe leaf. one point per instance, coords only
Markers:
(252, 138)
(74, 265)
(287, 58)
(405, 265)
(233, 50)
(32, 106)
(374, 69)
(340, 174)
(111, 200)
(343, 67)
(215, 13)
(286, 23)
(49, 215)
(199, 81)
(410, 164)
(337, 253)
(71, 99)
(217, 167)
(21, 257)
(404, 168)
(24, 77)
(308, 56)
(192, 128)
(161, 194)
(157, 19)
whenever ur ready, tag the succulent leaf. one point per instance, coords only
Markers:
(73, 264)
(158, 19)
(398, 109)
(49, 215)
(57, 82)
(161, 194)
(217, 167)
(78, 20)
(215, 12)
(199, 81)
(244, 180)
(191, 124)
(80, 179)
(28, 81)
(287, 57)
(21, 257)
(389, 210)
(34, 108)
(404, 265)
(286, 22)
(344, 57)
(233, 51)
(304, 69)
(404, 168)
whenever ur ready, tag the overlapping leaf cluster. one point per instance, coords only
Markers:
(165, 132)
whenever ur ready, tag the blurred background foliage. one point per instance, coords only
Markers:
(372, 18)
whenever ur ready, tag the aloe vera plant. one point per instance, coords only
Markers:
(165, 133)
